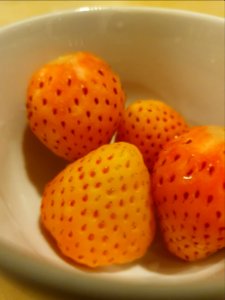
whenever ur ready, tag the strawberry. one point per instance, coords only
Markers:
(99, 208)
(74, 104)
(149, 124)
(188, 189)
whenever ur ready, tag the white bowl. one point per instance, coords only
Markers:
(172, 55)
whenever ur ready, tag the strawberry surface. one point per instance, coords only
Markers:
(99, 208)
(149, 124)
(189, 193)
(74, 104)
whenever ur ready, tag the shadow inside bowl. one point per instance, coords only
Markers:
(159, 260)
(41, 165)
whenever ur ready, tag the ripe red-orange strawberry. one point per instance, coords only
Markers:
(149, 124)
(189, 192)
(99, 208)
(74, 104)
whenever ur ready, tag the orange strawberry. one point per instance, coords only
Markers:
(188, 188)
(99, 208)
(149, 124)
(74, 104)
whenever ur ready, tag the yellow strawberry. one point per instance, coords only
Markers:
(99, 208)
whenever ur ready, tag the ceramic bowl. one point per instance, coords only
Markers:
(168, 54)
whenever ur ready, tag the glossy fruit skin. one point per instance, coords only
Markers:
(150, 124)
(188, 187)
(74, 104)
(99, 209)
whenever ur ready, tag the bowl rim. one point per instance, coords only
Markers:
(128, 9)
(17, 261)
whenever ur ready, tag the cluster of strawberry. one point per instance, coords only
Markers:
(103, 207)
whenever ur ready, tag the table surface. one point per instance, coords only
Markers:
(12, 11)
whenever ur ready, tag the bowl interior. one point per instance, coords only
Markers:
(173, 56)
